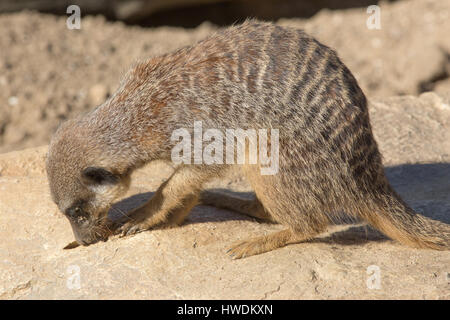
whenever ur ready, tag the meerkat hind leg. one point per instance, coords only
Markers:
(252, 208)
(271, 191)
(266, 243)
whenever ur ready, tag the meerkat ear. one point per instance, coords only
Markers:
(99, 176)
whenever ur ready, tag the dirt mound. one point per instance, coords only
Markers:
(190, 262)
(49, 73)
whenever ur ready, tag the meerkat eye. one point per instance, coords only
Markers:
(95, 175)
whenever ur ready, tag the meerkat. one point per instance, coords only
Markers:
(252, 75)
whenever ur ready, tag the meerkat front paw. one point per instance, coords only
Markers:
(132, 227)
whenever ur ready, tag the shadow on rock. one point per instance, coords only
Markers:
(425, 187)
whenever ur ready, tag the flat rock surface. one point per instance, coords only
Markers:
(190, 262)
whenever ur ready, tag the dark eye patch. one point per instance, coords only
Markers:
(95, 175)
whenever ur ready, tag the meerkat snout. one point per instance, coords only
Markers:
(87, 206)
(82, 191)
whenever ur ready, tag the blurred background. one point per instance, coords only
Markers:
(186, 13)
(49, 72)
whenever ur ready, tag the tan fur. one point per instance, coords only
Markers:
(250, 76)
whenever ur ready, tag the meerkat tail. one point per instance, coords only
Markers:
(392, 216)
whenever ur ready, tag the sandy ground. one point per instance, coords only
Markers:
(49, 73)
(190, 262)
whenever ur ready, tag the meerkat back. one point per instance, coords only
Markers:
(275, 77)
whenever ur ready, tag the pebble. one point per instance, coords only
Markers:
(13, 101)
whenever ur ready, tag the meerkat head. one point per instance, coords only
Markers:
(82, 184)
